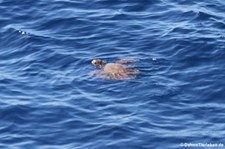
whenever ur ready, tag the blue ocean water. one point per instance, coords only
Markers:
(48, 100)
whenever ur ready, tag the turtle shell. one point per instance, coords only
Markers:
(115, 71)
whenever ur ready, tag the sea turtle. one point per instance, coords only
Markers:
(115, 71)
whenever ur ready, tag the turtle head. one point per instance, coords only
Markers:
(98, 63)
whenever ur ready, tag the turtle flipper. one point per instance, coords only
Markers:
(95, 72)
(124, 61)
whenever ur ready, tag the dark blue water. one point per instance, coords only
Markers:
(48, 100)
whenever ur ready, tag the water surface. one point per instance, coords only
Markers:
(48, 100)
